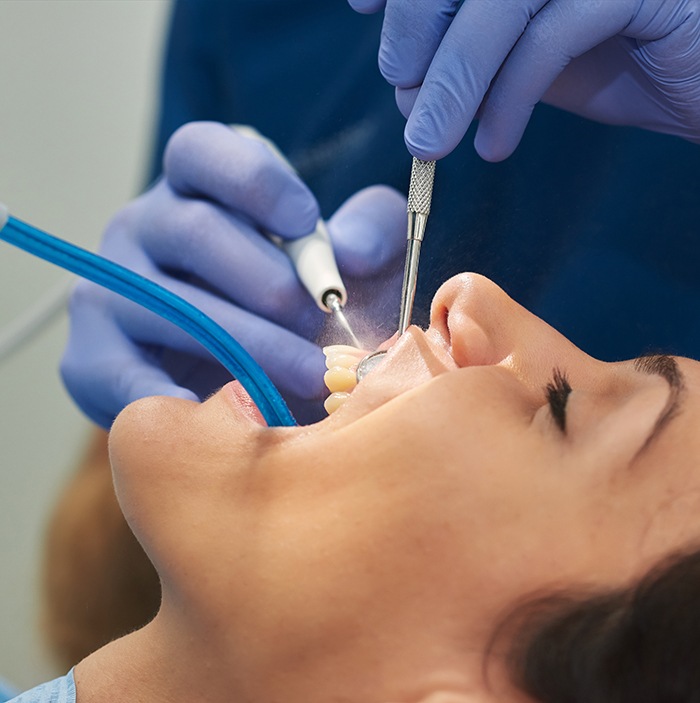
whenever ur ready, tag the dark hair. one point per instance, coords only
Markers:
(633, 645)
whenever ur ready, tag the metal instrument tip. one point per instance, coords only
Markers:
(332, 301)
(368, 363)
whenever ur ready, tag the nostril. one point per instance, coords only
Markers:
(439, 320)
(440, 316)
(470, 344)
(445, 324)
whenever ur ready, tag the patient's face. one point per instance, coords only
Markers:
(445, 487)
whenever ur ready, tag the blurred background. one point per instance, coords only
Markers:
(78, 89)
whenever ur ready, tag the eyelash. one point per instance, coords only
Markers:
(557, 393)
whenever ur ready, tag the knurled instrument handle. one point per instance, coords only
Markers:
(420, 190)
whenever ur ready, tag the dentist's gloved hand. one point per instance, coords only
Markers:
(197, 232)
(628, 62)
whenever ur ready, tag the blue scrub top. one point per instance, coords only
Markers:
(592, 227)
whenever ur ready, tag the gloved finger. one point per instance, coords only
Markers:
(199, 238)
(473, 49)
(103, 383)
(369, 232)
(411, 34)
(406, 99)
(367, 7)
(211, 160)
(561, 31)
(294, 364)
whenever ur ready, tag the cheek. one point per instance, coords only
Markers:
(515, 506)
(456, 478)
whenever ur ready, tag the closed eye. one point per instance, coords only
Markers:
(557, 393)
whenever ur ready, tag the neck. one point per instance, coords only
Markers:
(158, 664)
(166, 661)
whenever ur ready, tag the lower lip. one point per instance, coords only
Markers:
(237, 396)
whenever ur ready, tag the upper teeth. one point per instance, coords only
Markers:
(340, 378)
(341, 361)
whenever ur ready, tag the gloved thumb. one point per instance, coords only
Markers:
(369, 231)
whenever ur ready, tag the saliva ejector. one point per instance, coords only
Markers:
(160, 301)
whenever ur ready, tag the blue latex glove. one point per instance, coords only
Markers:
(626, 62)
(197, 233)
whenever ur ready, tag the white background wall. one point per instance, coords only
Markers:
(78, 82)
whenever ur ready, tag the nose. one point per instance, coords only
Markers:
(484, 326)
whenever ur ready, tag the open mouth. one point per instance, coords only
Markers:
(411, 360)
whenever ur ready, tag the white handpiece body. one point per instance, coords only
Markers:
(312, 254)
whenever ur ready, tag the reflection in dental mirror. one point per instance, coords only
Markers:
(369, 363)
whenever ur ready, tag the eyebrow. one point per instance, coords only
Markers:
(666, 367)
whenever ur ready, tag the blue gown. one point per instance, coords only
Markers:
(592, 227)
(60, 690)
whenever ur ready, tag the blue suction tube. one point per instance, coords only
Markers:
(158, 300)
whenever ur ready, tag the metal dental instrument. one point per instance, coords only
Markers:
(333, 301)
(368, 363)
(312, 256)
(420, 195)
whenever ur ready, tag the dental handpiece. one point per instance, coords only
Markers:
(312, 255)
